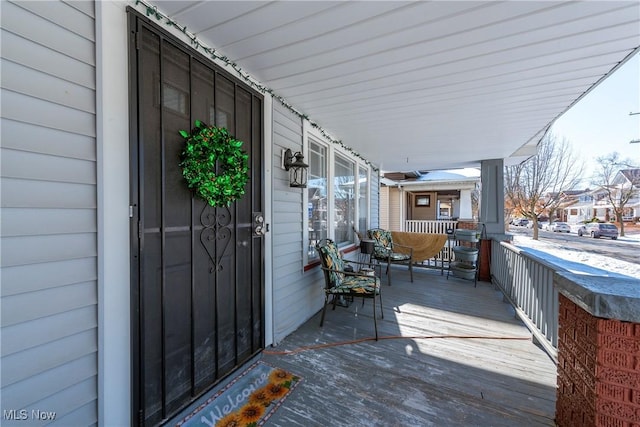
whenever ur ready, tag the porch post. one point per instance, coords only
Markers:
(465, 211)
(492, 199)
(491, 212)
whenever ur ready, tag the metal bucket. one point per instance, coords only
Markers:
(463, 272)
(465, 254)
(467, 235)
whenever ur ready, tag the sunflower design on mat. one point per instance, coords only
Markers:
(262, 401)
(276, 391)
(260, 397)
(280, 376)
(231, 420)
(251, 413)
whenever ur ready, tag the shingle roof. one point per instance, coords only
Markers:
(633, 175)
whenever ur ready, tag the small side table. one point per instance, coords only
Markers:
(366, 250)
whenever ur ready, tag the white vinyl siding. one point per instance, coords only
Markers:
(394, 209)
(297, 294)
(48, 207)
(383, 208)
(374, 203)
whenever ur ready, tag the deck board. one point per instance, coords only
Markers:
(408, 381)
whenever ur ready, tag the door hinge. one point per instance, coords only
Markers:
(130, 211)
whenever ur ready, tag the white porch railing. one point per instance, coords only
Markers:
(423, 226)
(527, 283)
(434, 227)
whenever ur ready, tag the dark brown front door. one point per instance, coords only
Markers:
(197, 275)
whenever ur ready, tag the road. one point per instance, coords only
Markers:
(624, 250)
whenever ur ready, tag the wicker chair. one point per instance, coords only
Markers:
(344, 278)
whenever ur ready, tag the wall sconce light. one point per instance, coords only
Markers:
(294, 163)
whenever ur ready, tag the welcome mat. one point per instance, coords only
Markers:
(249, 400)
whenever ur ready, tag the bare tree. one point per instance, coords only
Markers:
(619, 180)
(535, 185)
(510, 180)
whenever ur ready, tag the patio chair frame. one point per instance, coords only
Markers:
(385, 251)
(340, 281)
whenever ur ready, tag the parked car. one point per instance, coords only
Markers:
(559, 227)
(522, 222)
(540, 223)
(599, 229)
(579, 228)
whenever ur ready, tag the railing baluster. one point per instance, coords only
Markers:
(527, 282)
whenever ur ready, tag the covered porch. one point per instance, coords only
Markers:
(376, 86)
(426, 370)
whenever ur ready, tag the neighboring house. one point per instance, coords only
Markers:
(628, 180)
(435, 195)
(124, 297)
(595, 204)
(557, 203)
(581, 209)
(601, 208)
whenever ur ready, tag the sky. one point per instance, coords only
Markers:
(600, 123)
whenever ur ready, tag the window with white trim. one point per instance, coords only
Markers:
(337, 196)
(363, 200)
(317, 220)
(344, 204)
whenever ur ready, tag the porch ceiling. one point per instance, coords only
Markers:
(423, 85)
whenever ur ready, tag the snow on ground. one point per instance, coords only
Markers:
(581, 262)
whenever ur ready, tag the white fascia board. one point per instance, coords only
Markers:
(440, 185)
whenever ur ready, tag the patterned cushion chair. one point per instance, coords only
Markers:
(343, 280)
(385, 250)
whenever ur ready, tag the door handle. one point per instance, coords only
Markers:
(259, 226)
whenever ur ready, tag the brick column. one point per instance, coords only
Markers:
(598, 370)
(468, 225)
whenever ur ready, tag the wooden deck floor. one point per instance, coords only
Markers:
(415, 381)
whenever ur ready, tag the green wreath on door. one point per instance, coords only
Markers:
(214, 164)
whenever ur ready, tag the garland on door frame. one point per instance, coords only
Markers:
(197, 44)
(208, 147)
